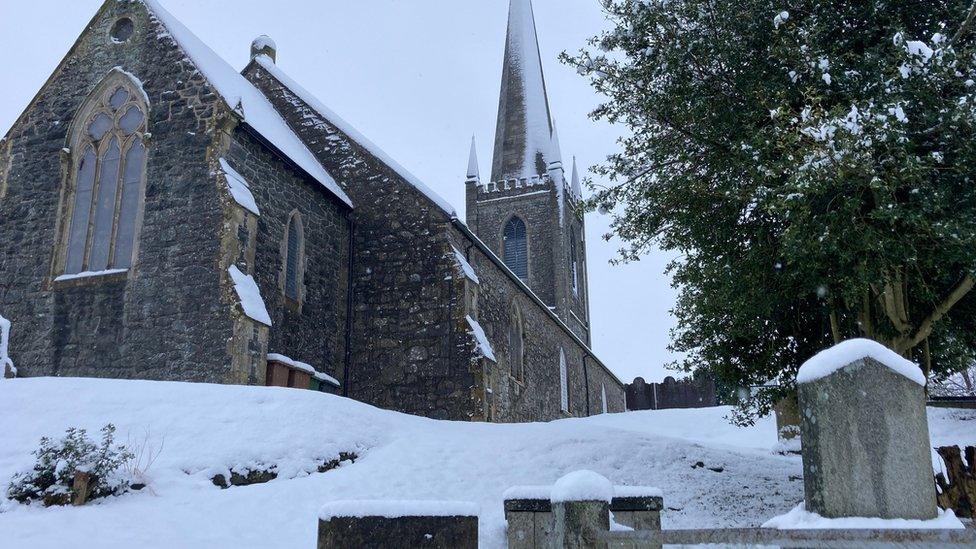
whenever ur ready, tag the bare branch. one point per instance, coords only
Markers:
(905, 343)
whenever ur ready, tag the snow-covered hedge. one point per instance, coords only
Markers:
(52, 479)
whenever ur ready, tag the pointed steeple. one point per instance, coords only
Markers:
(575, 186)
(473, 174)
(522, 136)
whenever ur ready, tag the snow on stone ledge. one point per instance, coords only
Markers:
(249, 296)
(397, 509)
(528, 492)
(482, 340)
(830, 360)
(801, 519)
(545, 492)
(466, 267)
(583, 485)
(637, 492)
(4, 345)
(239, 188)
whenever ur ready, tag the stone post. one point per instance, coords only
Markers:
(866, 450)
(577, 523)
(581, 510)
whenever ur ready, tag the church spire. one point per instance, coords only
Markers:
(473, 175)
(524, 130)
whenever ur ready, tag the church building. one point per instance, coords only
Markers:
(166, 217)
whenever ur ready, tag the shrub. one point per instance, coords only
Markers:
(52, 479)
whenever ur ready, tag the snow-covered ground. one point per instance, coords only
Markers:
(206, 429)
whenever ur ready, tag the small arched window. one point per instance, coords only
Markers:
(563, 382)
(516, 344)
(515, 248)
(294, 255)
(603, 397)
(107, 178)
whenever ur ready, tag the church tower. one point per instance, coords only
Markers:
(526, 212)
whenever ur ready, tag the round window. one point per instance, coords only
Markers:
(122, 30)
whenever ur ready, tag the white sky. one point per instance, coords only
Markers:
(418, 77)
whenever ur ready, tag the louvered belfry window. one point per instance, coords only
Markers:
(516, 248)
(293, 258)
(108, 176)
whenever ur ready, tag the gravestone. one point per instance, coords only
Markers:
(865, 434)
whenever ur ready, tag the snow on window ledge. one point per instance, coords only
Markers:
(90, 274)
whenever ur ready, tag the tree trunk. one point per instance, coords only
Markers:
(959, 491)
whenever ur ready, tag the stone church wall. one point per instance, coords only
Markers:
(410, 351)
(163, 319)
(537, 398)
(313, 329)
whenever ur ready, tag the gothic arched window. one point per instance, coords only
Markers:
(516, 344)
(294, 252)
(563, 382)
(107, 178)
(515, 247)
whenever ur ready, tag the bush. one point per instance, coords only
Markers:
(52, 479)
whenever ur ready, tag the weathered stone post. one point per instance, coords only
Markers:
(581, 510)
(865, 435)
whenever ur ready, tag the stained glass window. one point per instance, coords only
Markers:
(107, 183)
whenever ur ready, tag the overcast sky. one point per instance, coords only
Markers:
(418, 77)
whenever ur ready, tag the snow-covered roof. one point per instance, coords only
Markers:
(249, 296)
(255, 109)
(834, 358)
(391, 508)
(346, 128)
(239, 188)
(305, 367)
(484, 346)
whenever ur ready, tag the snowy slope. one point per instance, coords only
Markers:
(204, 429)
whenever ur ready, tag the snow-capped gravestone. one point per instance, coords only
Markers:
(865, 434)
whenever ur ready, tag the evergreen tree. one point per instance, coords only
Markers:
(810, 160)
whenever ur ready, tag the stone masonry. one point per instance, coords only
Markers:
(385, 303)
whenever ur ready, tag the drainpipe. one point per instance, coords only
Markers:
(586, 382)
(349, 309)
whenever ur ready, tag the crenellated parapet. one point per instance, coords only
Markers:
(543, 181)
